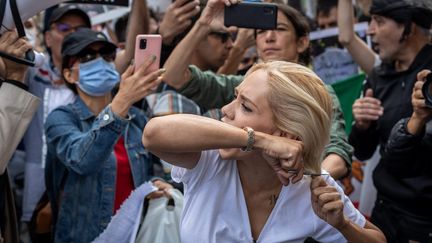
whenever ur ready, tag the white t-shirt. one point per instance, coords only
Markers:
(215, 208)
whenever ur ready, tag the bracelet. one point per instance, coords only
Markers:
(250, 140)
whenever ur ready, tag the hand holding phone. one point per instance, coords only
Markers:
(251, 15)
(147, 46)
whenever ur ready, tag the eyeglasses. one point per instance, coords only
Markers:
(66, 28)
(90, 54)
(224, 36)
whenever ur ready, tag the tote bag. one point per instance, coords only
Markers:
(162, 220)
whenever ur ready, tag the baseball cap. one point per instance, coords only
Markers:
(77, 41)
(58, 13)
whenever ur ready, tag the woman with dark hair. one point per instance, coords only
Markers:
(288, 42)
(95, 156)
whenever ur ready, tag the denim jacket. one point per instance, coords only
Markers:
(81, 160)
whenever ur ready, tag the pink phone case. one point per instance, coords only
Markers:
(145, 47)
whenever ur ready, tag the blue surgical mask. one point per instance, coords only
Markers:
(97, 77)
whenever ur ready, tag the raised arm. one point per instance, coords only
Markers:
(178, 74)
(138, 24)
(245, 39)
(177, 19)
(361, 53)
(83, 152)
(179, 140)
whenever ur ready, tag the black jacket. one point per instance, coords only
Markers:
(407, 189)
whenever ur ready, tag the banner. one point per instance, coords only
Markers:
(124, 3)
(331, 62)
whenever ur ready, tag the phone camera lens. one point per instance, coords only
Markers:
(143, 44)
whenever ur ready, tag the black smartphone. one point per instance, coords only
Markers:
(251, 15)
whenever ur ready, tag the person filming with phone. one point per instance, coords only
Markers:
(95, 156)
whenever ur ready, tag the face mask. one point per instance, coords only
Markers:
(97, 77)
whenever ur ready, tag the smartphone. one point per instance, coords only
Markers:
(251, 15)
(145, 47)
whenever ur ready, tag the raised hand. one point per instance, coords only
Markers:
(134, 86)
(366, 110)
(212, 14)
(421, 113)
(418, 100)
(245, 38)
(177, 19)
(327, 202)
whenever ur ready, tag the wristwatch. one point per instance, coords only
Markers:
(250, 141)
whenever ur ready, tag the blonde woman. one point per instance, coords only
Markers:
(236, 172)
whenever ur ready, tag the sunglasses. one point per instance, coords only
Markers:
(223, 36)
(90, 54)
(65, 28)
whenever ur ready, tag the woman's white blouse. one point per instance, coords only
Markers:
(215, 209)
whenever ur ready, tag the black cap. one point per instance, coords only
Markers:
(404, 11)
(382, 7)
(77, 41)
(422, 15)
(58, 13)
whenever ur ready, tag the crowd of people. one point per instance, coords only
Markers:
(263, 144)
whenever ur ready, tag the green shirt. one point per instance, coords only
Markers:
(210, 90)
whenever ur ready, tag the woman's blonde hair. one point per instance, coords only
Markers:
(301, 106)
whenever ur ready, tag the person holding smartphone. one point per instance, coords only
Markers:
(289, 42)
(95, 156)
